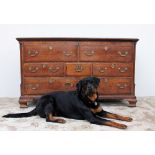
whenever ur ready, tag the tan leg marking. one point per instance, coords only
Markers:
(114, 124)
(118, 117)
(55, 119)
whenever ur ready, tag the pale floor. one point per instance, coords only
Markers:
(143, 117)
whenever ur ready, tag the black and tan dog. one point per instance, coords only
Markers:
(80, 104)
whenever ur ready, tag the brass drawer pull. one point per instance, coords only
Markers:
(50, 81)
(67, 53)
(122, 70)
(102, 69)
(53, 69)
(78, 68)
(34, 86)
(123, 53)
(68, 84)
(122, 86)
(89, 53)
(32, 53)
(33, 69)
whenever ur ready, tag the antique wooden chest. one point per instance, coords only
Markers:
(53, 64)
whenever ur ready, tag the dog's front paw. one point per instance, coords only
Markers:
(129, 119)
(122, 126)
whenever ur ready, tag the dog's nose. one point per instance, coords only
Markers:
(89, 87)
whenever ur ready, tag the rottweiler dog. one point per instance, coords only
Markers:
(81, 104)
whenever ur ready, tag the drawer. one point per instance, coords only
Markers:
(113, 69)
(105, 43)
(78, 69)
(108, 86)
(115, 86)
(50, 51)
(107, 53)
(43, 69)
(42, 85)
(50, 43)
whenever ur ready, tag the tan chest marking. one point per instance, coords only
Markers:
(96, 110)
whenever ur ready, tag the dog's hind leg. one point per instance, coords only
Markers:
(51, 118)
(49, 112)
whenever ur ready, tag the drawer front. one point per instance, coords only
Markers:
(43, 69)
(106, 53)
(44, 85)
(113, 69)
(50, 43)
(78, 69)
(108, 86)
(115, 86)
(105, 43)
(50, 51)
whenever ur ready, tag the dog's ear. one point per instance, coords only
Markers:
(97, 80)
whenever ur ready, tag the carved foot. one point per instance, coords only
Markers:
(24, 101)
(132, 102)
(23, 104)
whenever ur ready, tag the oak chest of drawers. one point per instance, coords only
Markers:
(53, 64)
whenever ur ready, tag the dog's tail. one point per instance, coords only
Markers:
(19, 115)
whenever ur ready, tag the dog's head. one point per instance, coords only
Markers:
(87, 87)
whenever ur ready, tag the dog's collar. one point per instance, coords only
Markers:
(90, 103)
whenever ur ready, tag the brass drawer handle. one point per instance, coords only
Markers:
(122, 86)
(102, 69)
(89, 53)
(53, 69)
(32, 53)
(34, 86)
(67, 53)
(122, 70)
(51, 81)
(33, 69)
(68, 84)
(123, 53)
(78, 68)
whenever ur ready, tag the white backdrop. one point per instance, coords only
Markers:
(10, 58)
